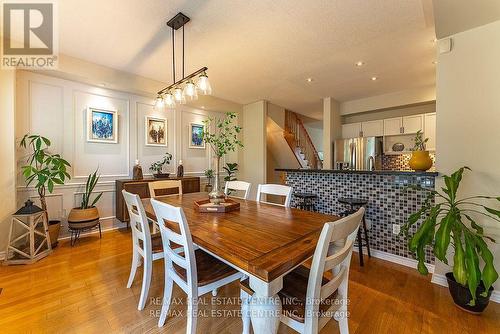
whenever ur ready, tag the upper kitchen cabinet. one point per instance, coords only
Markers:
(393, 126)
(372, 128)
(430, 131)
(412, 124)
(352, 130)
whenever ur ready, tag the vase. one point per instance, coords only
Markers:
(216, 196)
(420, 161)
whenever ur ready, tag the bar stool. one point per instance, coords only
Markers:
(306, 201)
(354, 204)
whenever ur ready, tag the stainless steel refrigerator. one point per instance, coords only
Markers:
(363, 153)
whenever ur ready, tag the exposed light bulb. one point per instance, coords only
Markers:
(159, 103)
(190, 91)
(203, 84)
(374, 78)
(169, 100)
(179, 96)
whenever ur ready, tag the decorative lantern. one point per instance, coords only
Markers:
(33, 243)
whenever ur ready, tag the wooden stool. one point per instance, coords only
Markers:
(354, 204)
(306, 201)
(33, 221)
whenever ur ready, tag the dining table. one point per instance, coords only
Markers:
(261, 240)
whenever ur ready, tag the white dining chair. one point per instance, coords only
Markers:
(275, 189)
(146, 247)
(194, 271)
(163, 185)
(237, 186)
(309, 299)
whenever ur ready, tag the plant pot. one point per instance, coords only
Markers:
(208, 188)
(462, 296)
(54, 228)
(83, 218)
(161, 175)
(420, 161)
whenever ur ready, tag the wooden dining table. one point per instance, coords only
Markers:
(263, 241)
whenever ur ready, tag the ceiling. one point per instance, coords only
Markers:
(263, 49)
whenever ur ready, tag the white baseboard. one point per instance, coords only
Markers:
(441, 280)
(404, 261)
(2, 256)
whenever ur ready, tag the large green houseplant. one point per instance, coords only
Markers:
(452, 221)
(44, 170)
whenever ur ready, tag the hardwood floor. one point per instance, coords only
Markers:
(82, 290)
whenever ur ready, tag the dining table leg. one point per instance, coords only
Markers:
(265, 305)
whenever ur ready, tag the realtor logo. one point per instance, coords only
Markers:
(29, 34)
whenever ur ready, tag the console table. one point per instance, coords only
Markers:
(140, 187)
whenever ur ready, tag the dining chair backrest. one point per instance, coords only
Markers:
(141, 234)
(171, 239)
(238, 186)
(275, 189)
(163, 185)
(333, 253)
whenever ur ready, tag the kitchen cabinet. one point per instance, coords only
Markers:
(430, 131)
(412, 124)
(393, 126)
(352, 130)
(372, 128)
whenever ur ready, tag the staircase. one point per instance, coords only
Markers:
(300, 143)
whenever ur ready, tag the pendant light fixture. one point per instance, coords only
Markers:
(187, 88)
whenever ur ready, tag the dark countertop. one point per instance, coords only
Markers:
(377, 172)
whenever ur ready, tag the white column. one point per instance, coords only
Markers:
(7, 153)
(332, 129)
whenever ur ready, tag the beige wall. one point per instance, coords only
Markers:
(332, 129)
(254, 154)
(468, 117)
(7, 153)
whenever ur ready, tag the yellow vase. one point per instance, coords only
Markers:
(420, 161)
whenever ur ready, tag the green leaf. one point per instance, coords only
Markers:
(50, 186)
(96, 200)
(459, 270)
(475, 226)
(489, 274)
(492, 211)
(46, 141)
(472, 265)
(442, 240)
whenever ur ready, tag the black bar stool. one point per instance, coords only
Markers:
(306, 201)
(354, 204)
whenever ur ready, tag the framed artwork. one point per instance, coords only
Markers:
(102, 126)
(196, 136)
(156, 131)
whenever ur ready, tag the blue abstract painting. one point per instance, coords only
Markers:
(196, 136)
(102, 126)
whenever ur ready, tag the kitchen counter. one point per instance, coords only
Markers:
(348, 171)
(390, 200)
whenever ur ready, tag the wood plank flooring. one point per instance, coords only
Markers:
(83, 290)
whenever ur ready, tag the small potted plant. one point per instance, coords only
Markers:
(46, 170)
(452, 222)
(209, 174)
(157, 167)
(86, 215)
(420, 159)
(231, 168)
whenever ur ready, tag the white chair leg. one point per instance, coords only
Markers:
(167, 295)
(341, 317)
(214, 292)
(146, 282)
(192, 314)
(245, 311)
(133, 268)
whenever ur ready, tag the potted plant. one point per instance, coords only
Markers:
(222, 136)
(47, 170)
(157, 167)
(452, 221)
(420, 159)
(231, 168)
(86, 215)
(209, 174)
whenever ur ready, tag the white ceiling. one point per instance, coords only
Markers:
(263, 49)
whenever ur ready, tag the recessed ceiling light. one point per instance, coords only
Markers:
(102, 84)
(374, 78)
(434, 62)
(309, 79)
(434, 40)
(360, 63)
(202, 107)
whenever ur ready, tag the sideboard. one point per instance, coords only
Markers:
(190, 184)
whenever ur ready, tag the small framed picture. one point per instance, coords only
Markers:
(102, 126)
(196, 135)
(156, 131)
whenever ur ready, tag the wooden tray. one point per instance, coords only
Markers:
(206, 206)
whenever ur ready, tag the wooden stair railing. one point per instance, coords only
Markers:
(299, 141)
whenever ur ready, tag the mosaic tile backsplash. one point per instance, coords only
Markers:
(388, 201)
(400, 162)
